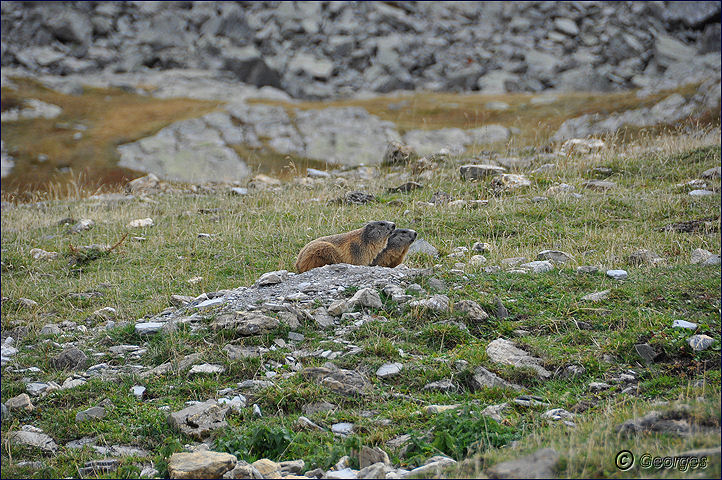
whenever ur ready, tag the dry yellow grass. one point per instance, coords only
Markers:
(112, 117)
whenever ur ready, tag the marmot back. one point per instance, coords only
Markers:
(396, 248)
(357, 247)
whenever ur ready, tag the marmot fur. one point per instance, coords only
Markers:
(357, 247)
(396, 248)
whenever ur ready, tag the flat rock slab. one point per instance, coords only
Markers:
(539, 464)
(34, 439)
(389, 370)
(555, 256)
(483, 378)
(199, 420)
(504, 351)
(246, 323)
(346, 382)
(203, 464)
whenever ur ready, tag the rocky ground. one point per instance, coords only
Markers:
(323, 50)
(513, 321)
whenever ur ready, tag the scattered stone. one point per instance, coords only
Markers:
(200, 464)
(595, 387)
(257, 411)
(540, 464)
(699, 255)
(389, 370)
(471, 310)
(35, 439)
(207, 368)
(138, 391)
(712, 173)
(539, 266)
(93, 413)
(20, 402)
(98, 467)
(343, 428)
(433, 468)
(477, 172)
(369, 456)
(483, 378)
(72, 358)
(50, 329)
(509, 181)
(505, 352)
(700, 193)
(647, 352)
(684, 324)
(406, 187)
(267, 468)
(673, 422)
(581, 146)
(82, 225)
(40, 254)
(700, 342)
(366, 297)
(437, 303)
(272, 278)
(141, 223)
(501, 311)
(245, 323)
(445, 385)
(587, 269)
(596, 296)
(599, 185)
(346, 382)
(477, 260)
(644, 257)
(199, 420)
(573, 371)
(555, 256)
(148, 328)
(423, 247)
(494, 411)
(617, 274)
(712, 261)
(398, 154)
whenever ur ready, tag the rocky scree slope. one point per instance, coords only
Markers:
(319, 50)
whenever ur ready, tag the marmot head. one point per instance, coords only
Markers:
(401, 237)
(375, 231)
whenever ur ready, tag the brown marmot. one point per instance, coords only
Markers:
(396, 248)
(357, 247)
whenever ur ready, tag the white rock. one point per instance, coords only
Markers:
(684, 324)
(147, 328)
(141, 222)
(700, 193)
(207, 368)
(389, 369)
(539, 266)
(617, 274)
(343, 428)
(699, 255)
(366, 297)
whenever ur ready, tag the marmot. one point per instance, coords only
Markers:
(357, 247)
(396, 248)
